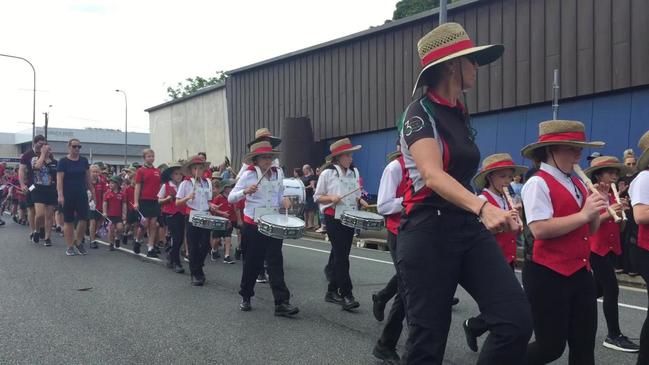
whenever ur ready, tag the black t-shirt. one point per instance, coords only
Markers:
(461, 157)
(74, 178)
(306, 180)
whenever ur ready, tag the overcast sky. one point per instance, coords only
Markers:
(84, 50)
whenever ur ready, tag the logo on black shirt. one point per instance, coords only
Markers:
(413, 125)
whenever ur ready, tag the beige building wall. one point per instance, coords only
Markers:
(191, 125)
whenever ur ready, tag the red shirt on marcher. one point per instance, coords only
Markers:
(149, 178)
(114, 201)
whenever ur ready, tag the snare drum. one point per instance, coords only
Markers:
(362, 220)
(211, 222)
(281, 226)
(295, 192)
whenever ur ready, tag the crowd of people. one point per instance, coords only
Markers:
(449, 222)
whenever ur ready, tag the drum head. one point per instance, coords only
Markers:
(282, 220)
(362, 214)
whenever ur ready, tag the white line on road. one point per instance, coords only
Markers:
(390, 263)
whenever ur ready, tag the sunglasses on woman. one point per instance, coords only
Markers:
(77, 146)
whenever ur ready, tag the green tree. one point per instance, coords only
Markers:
(193, 84)
(407, 8)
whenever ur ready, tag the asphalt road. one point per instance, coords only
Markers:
(117, 308)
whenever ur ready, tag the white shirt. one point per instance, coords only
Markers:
(256, 200)
(201, 198)
(387, 202)
(501, 200)
(329, 184)
(536, 194)
(639, 189)
(163, 191)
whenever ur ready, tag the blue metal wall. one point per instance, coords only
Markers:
(618, 119)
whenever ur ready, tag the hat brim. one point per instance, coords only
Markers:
(484, 55)
(393, 155)
(350, 150)
(274, 141)
(249, 156)
(166, 174)
(528, 151)
(480, 180)
(187, 167)
(618, 166)
(643, 161)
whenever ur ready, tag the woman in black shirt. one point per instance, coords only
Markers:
(444, 238)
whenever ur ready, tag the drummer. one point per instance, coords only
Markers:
(261, 187)
(262, 134)
(195, 195)
(339, 178)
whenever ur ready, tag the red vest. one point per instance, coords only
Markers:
(607, 237)
(506, 240)
(392, 221)
(170, 207)
(569, 253)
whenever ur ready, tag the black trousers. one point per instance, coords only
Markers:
(394, 323)
(176, 225)
(564, 310)
(198, 242)
(606, 282)
(341, 238)
(257, 248)
(642, 259)
(436, 251)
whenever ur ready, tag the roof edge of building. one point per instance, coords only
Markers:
(347, 38)
(198, 92)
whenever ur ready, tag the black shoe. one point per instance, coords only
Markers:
(621, 343)
(35, 236)
(152, 254)
(228, 260)
(385, 353)
(214, 255)
(58, 229)
(136, 247)
(378, 308)
(455, 301)
(286, 310)
(237, 254)
(471, 339)
(47, 243)
(349, 303)
(198, 280)
(333, 297)
(179, 269)
(94, 244)
(117, 243)
(245, 306)
(110, 248)
(156, 250)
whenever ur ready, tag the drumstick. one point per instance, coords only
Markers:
(616, 193)
(137, 210)
(511, 202)
(350, 192)
(590, 185)
(264, 174)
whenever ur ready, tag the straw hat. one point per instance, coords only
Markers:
(606, 162)
(258, 149)
(341, 146)
(560, 132)
(643, 161)
(166, 174)
(496, 162)
(263, 134)
(450, 41)
(194, 160)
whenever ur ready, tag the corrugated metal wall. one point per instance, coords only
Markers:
(618, 119)
(363, 84)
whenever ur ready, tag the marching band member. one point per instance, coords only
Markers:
(195, 194)
(497, 173)
(114, 208)
(605, 248)
(262, 134)
(174, 215)
(444, 237)
(392, 188)
(639, 193)
(261, 187)
(338, 190)
(561, 214)
(147, 185)
(96, 218)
